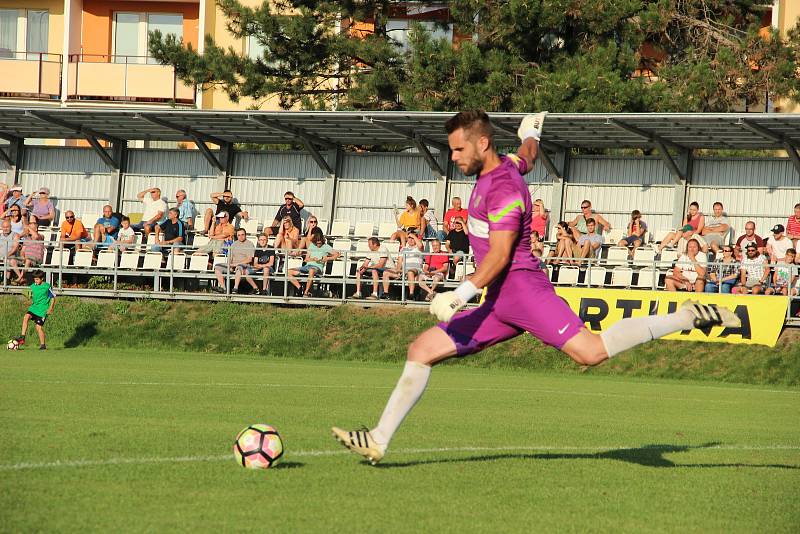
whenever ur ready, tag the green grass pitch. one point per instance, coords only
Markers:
(141, 441)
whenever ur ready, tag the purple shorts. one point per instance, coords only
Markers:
(522, 301)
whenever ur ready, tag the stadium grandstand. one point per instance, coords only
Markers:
(355, 192)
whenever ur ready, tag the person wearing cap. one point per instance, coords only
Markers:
(43, 208)
(778, 244)
(155, 210)
(16, 198)
(793, 226)
(754, 272)
(221, 231)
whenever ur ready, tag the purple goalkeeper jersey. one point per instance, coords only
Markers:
(501, 201)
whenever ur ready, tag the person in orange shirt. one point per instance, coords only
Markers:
(72, 233)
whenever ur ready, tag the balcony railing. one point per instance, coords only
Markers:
(30, 75)
(106, 77)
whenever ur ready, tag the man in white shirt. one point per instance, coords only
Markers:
(155, 210)
(754, 271)
(375, 262)
(778, 244)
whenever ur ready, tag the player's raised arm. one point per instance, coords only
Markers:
(529, 133)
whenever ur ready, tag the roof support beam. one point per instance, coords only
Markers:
(318, 159)
(789, 145)
(189, 132)
(89, 134)
(100, 151)
(206, 152)
(299, 133)
(408, 134)
(434, 166)
(550, 166)
(8, 137)
(6, 158)
(792, 151)
(660, 143)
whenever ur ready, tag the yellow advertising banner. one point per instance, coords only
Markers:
(762, 316)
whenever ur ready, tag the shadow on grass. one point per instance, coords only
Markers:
(288, 465)
(83, 333)
(648, 456)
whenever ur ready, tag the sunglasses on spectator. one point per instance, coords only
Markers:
(288, 198)
(312, 222)
(727, 250)
(70, 217)
(585, 207)
(227, 197)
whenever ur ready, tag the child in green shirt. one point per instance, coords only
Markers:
(43, 301)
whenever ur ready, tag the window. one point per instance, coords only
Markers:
(131, 33)
(255, 50)
(399, 30)
(21, 31)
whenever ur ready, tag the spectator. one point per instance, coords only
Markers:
(778, 244)
(434, 269)
(578, 225)
(240, 257)
(288, 237)
(564, 243)
(722, 275)
(589, 243)
(311, 223)
(292, 206)
(539, 218)
(9, 245)
(636, 230)
(72, 232)
(186, 210)
(689, 271)
(754, 272)
(455, 211)
(375, 263)
(748, 237)
(793, 226)
(155, 210)
(410, 263)
(319, 253)
(263, 262)
(431, 225)
(43, 209)
(457, 241)
(784, 278)
(107, 226)
(224, 204)
(692, 228)
(537, 247)
(408, 221)
(125, 235)
(14, 216)
(16, 198)
(221, 231)
(32, 253)
(716, 228)
(170, 233)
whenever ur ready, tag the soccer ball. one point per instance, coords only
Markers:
(13, 344)
(258, 447)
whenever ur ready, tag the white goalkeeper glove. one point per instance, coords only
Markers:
(445, 305)
(531, 126)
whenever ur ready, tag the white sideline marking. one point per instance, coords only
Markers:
(354, 386)
(300, 454)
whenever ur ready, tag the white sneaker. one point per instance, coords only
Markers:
(357, 295)
(707, 315)
(360, 442)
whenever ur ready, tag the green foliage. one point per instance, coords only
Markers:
(560, 55)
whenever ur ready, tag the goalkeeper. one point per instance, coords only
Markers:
(519, 295)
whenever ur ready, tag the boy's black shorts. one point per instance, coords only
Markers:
(36, 319)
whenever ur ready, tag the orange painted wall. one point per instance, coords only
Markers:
(98, 16)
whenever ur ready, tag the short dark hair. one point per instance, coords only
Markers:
(424, 202)
(316, 233)
(176, 210)
(227, 191)
(474, 121)
(797, 205)
(695, 204)
(374, 240)
(241, 230)
(125, 218)
(791, 251)
(715, 204)
(591, 220)
(410, 200)
(38, 273)
(288, 193)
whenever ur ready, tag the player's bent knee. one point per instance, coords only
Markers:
(586, 348)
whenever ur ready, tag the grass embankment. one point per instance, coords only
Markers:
(375, 334)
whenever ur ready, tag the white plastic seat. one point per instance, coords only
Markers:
(392, 246)
(219, 259)
(83, 258)
(668, 257)
(550, 272)
(176, 261)
(340, 228)
(617, 256)
(362, 245)
(646, 277)
(198, 262)
(546, 250)
(660, 234)
(567, 276)
(615, 235)
(152, 261)
(294, 262)
(386, 229)
(621, 277)
(250, 226)
(106, 259)
(59, 257)
(200, 240)
(553, 234)
(342, 245)
(595, 276)
(644, 257)
(89, 220)
(323, 225)
(364, 229)
(337, 269)
(129, 260)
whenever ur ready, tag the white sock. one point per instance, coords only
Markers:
(633, 331)
(405, 395)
